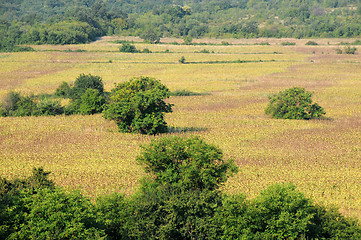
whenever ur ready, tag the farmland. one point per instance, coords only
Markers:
(321, 157)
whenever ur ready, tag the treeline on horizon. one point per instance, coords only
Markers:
(81, 21)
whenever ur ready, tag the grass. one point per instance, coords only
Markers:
(321, 157)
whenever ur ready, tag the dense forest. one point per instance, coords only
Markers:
(81, 21)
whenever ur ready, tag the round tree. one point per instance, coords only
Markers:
(138, 106)
(293, 103)
(83, 82)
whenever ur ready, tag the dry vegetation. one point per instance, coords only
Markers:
(321, 157)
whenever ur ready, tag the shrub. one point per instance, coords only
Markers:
(338, 51)
(138, 106)
(146, 50)
(293, 103)
(350, 50)
(91, 102)
(182, 60)
(25, 106)
(83, 82)
(311, 43)
(11, 100)
(64, 90)
(128, 48)
(48, 107)
(288, 43)
(184, 92)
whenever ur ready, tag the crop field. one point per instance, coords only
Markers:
(321, 157)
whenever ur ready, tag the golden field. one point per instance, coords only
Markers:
(321, 157)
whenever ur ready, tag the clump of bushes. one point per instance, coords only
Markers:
(17, 105)
(128, 48)
(86, 95)
(288, 43)
(312, 43)
(293, 103)
(346, 50)
(184, 92)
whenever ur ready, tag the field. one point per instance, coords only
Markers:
(321, 157)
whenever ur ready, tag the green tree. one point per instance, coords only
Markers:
(55, 214)
(83, 82)
(181, 198)
(293, 103)
(138, 106)
(187, 163)
(91, 102)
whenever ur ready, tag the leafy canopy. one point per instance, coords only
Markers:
(138, 106)
(293, 103)
(187, 163)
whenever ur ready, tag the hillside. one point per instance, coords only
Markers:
(71, 22)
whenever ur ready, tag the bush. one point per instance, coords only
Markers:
(288, 43)
(184, 92)
(138, 106)
(64, 90)
(146, 50)
(312, 43)
(128, 48)
(293, 103)
(48, 107)
(182, 60)
(91, 102)
(83, 82)
(54, 214)
(350, 50)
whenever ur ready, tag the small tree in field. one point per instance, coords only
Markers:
(293, 103)
(138, 106)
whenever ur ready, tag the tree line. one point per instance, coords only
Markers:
(81, 21)
(179, 199)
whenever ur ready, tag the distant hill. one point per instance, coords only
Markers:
(79, 21)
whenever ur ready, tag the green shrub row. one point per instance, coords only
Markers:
(180, 199)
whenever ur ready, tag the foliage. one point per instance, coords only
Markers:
(128, 48)
(138, 106)
(293, 103)
(312, 43)
(11, 205)
(91, 102)
(288, 43)
(184, 92)
(163, 212)
(64, 90)
(56, 214)
(150, 36)
(18, 105)
(48, 107)
(182, 197)
(350, 50)
(182, 60)
(113, 214)
(84, 82)
(186, 163)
